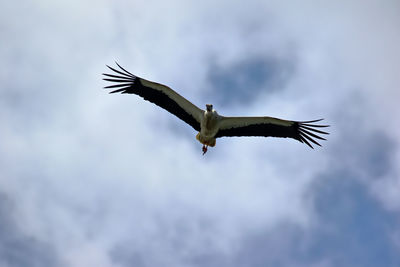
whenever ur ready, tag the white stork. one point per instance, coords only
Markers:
(209, 123)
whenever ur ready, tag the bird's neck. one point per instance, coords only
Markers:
(209, 114)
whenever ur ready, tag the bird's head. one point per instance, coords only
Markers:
(209, 107)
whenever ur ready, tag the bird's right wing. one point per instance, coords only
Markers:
(303, 131)
(159, 94)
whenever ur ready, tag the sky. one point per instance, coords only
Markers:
(93, 179)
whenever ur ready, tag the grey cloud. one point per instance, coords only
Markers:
(360, 145)
(353, 228)
(17, 249)
(243, 81)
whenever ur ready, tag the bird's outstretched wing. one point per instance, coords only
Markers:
(161, 95)
(304, 131)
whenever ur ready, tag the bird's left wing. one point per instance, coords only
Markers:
(303, 131)
(159, 94)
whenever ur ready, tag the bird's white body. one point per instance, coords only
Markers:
(207, 122)
(209, 127)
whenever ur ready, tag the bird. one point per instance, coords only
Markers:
(208, 123)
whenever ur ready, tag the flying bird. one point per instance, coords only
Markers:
(208, 123)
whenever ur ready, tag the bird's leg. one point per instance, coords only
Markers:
(204, 149)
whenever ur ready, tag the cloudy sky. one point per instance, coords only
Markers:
(92, 179)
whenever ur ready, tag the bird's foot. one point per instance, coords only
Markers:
(204, 149)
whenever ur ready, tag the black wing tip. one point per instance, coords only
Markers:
(312, 121)
(120, 78)
(122, 71)
(308, 133)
